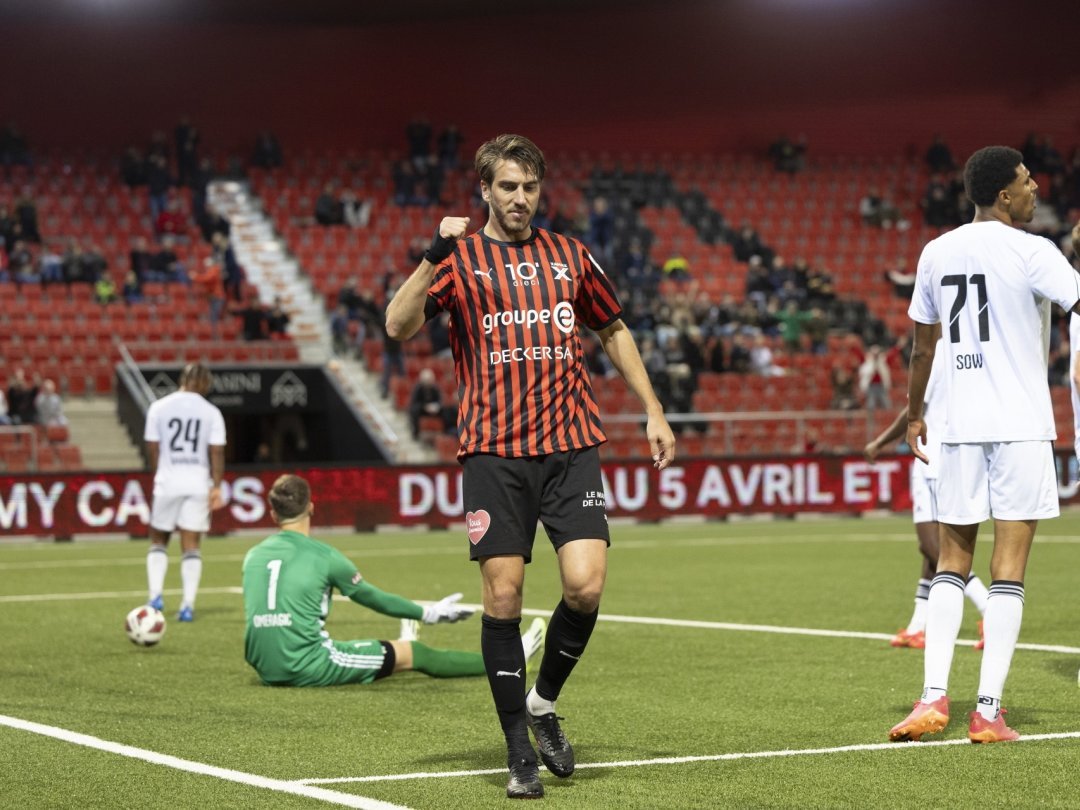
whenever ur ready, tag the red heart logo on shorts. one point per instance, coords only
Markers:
(477, 524)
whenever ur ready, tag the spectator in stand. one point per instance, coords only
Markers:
(875, 379)
(676, 268)
(393, 363)
(7, 227)
(328, 209)
(131, 292)
(787, 156)
(601, 233)
(938, 157)
(817, 331)
(22, 398)
(158, 182)
(200, 215)
(843, 389)
(739, 359)
(761, 359)
(26, 214)
(21, 264)
(50, 408)
(233, 275)
(105, 289)
(349, 296)
(340, 328)
(758, 288)
(133, 168)
(207, 284)
(277, 320)
(94, 263)
(253, 315)
(14, 150)
(267, 154)
(878, 211)
(449, 143)
(357, 212)
(405, 185)
(902, 279)
(187, 152)
(4, 418)
(747, 243)
(172, 220)
(819, 287)
(426, 400)
(792, 325)
(74, 266)
(142, 260)
(166, 265)
(50, 265)
(418, 136)
(938, 204)
(434, 177)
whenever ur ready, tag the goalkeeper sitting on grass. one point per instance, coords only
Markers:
(288, 582)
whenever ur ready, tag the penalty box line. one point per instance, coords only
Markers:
(842, 749)
(227, 774)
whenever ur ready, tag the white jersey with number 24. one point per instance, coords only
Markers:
(184, 424)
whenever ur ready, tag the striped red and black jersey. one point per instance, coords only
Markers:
(523, 386)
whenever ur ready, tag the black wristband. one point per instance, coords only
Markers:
(440, 249)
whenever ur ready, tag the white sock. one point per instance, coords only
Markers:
(944, 612)
(918, 617)
(157, 563)
(977, 593)
(190, 573)
(537, 705)
(1001, 629)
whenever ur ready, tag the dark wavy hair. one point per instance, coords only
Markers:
(517, 148)
(988, 171)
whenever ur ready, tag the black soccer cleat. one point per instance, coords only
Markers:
(555, 749)
(524, 778)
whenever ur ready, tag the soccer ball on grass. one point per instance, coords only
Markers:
(145, 626)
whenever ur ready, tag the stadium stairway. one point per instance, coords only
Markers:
(389, 423)
(270, 269)
(96, 430)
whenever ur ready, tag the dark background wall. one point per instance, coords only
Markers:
(854, 76)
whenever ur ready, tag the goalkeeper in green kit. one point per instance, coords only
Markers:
(288, 581)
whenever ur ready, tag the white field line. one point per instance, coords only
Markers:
(842, 749)
(279, 785)
(458, 549)
(607, 617)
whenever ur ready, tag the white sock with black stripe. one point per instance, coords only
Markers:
(190, 574)
(944, 612)
(157, 564)
(1001, 629)
(918, 616)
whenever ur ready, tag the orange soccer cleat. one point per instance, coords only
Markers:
(982, 730)
(903, 638)
(925, 718)
(982, 641)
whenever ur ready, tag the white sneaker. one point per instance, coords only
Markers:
(410, 630)
(533, 638)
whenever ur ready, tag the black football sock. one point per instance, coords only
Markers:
(504, 660)
(568, 633)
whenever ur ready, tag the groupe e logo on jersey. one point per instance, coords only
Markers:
(562, 315)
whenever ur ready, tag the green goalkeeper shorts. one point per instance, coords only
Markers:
(347, 662)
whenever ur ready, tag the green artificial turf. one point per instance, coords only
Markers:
(644, 691)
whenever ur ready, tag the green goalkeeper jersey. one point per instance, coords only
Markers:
(288, 581)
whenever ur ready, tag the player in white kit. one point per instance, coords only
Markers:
(924, 509)
(185, 441)
(990, 286)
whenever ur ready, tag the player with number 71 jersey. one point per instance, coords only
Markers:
(990, 287)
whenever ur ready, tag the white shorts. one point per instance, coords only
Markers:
(1004, 480)
(924, 507)
(188, 512)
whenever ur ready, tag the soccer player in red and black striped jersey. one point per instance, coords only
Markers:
(530, 428)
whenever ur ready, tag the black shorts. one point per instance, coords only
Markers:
(505, 497)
